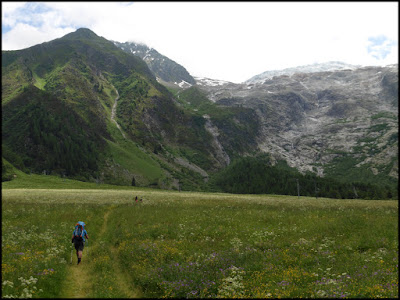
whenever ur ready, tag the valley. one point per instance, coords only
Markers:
(122, 113)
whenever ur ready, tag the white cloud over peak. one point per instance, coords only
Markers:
(231, 41)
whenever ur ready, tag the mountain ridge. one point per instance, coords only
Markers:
(83, 71)
(311, 68)
(174, 135)
(163, 68)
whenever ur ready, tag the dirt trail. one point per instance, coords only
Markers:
(77, 283)
(82, 288)
(74, 287)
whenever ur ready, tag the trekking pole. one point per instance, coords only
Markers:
(87, 247)
(72, 249)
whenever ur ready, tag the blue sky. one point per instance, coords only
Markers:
(380, 46)
(221, 40)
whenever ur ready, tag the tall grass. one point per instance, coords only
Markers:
(200, 244)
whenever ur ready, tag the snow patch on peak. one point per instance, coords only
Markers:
(313, 68)
(210, 82)
(184, 84)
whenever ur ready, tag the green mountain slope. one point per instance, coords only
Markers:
(58, 98)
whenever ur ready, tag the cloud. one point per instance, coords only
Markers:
(230, 41)
(27, 24)
(25, 35)
(8, 10)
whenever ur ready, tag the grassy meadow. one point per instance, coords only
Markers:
(195, 245)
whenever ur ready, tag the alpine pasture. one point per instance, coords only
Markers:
(193, 245)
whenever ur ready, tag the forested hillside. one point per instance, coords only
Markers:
(55, 137)
(257, 175)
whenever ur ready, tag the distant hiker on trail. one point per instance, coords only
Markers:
(78, 238)
(136, 199)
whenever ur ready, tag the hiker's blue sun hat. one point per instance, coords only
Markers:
(81, 223)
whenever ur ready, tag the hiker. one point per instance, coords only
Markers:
(78, 238)
(136, 199)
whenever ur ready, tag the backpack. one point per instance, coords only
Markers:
(78, 232)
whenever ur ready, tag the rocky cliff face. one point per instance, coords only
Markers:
(319, 121)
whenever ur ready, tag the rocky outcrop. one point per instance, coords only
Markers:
(309, 119)
(219, 150)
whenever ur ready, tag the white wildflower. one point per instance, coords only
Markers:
(8, 283)
(236, 243)
(232, 286)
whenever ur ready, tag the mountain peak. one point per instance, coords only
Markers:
(164, 68)
(82, 33)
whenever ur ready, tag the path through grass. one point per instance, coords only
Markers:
(78, 283)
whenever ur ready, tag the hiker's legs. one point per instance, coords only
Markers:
(79, 255)
(79, 248)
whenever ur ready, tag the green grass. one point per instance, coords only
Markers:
(130, 157)
(186, 244)
(39, 82)
(384, 114)
(378, 127)
(34, 181)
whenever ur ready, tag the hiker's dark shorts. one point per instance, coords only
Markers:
(79, 245)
